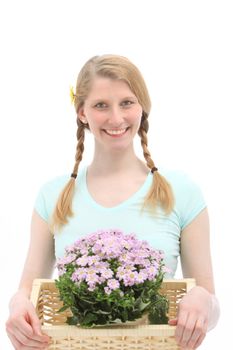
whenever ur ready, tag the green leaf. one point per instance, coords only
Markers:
(135, 315)
(89, 318)
(158, 310)
(102, 312)
(156, 317)
(64, 308)
(124, 315)
(142, 306)
(73, 320)
(75, 310)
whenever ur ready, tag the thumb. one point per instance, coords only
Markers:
(35, 322)
(36, 325)
(172, 322)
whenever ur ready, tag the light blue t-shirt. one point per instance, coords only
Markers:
(161, 231)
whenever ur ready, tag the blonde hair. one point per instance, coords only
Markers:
(117, 68)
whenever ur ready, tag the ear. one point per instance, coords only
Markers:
(82, 116)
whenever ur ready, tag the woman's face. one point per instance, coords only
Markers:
(112, 112)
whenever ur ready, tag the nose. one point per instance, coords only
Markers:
(116, 116)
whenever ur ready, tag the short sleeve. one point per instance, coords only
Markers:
(190, 201)
(48, 195)
(40, 205)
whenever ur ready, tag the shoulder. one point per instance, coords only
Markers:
(178, 179)
(57, 183)
(49, 192)
(189, 198)
(185, 187)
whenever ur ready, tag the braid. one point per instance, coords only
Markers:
(63, 209)
(79, 148)
(160, 191)
(144, 142)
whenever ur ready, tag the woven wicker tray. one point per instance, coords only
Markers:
(134, 336)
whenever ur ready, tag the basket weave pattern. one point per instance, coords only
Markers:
(137, 335)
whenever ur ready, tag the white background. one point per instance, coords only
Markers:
(184, 50)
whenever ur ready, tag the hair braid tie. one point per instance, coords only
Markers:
(73, 175)
(154, 169)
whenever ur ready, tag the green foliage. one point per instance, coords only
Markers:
(127, 303)
(158, 310)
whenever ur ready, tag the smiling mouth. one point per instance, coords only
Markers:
(119, 132)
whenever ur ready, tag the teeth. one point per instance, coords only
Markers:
(116, 132)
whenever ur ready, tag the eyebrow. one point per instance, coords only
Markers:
(130, 97)
(123, 98)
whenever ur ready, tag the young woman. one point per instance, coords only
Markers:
(118, 190)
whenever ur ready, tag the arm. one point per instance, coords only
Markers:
(23, 325)
(40, 259)
(195, 252)
(199, 309)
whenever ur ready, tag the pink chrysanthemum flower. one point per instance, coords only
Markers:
(109, 268)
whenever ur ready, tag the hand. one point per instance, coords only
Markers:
(193, 317)
(23, 326)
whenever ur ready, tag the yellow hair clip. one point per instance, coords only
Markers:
(72, 94)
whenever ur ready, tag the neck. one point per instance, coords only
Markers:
(107, 163)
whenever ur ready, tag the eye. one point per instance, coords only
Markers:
(101, 105)
(127, 103)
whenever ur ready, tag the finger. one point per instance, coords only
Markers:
(199, 330)
(202, 336)
(173, 322)
(34, 322)
(199, 341)
(182, 317)
(36, 326)
(14, 341)
(23, 330)
(18, 346)
(189, 328)
(19, 322)
(25, 341)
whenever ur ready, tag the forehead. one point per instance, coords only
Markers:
(102, 87)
